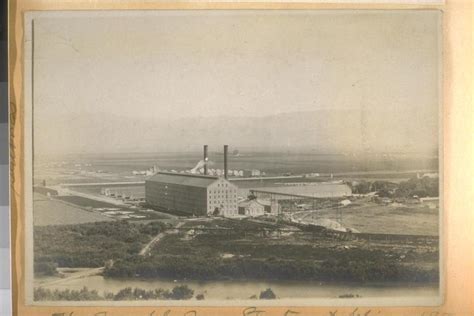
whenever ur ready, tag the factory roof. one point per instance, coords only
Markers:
(184, 179)
(248, 202)
(319, 190)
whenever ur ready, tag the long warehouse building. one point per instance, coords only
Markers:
(191, 194)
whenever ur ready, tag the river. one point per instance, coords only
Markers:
(241, 290)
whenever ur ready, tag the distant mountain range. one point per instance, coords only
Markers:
(322, 130)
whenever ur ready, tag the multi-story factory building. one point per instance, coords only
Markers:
(191, 194)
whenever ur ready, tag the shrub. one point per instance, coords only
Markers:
(200, 297)
(267, 294)
(181, 292)
(45, 268)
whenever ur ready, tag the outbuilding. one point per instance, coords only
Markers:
(251, 208)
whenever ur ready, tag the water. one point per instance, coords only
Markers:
(223, 290)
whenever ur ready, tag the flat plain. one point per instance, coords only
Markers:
(54, 212)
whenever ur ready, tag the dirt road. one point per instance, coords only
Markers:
(76, 275)
(145, 250)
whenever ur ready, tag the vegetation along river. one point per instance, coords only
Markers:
(222, 290)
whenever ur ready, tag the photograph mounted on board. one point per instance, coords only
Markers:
(204, 157)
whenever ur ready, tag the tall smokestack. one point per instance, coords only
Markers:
(205, 159)
(226, 147)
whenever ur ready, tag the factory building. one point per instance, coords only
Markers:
(192, 194)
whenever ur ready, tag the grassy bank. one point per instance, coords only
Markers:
(258, 253)
(231, 250)
(89, 245)
(186, 267)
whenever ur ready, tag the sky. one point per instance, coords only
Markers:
(181, 66)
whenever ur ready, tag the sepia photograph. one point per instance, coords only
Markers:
(206, 157)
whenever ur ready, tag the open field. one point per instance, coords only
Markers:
(369, 217)
(84, 202)
(135, 190)
(53, 175)
(48, 211)
(72, 209)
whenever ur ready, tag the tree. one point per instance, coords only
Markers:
(200, 297)
(267, 294)
(384, 193)
(45, 268)
(362, 188)
(251, 197)
(124, 294)
(181, 292)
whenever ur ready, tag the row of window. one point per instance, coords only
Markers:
(222, 196)
(214, 202)
(222, 191)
